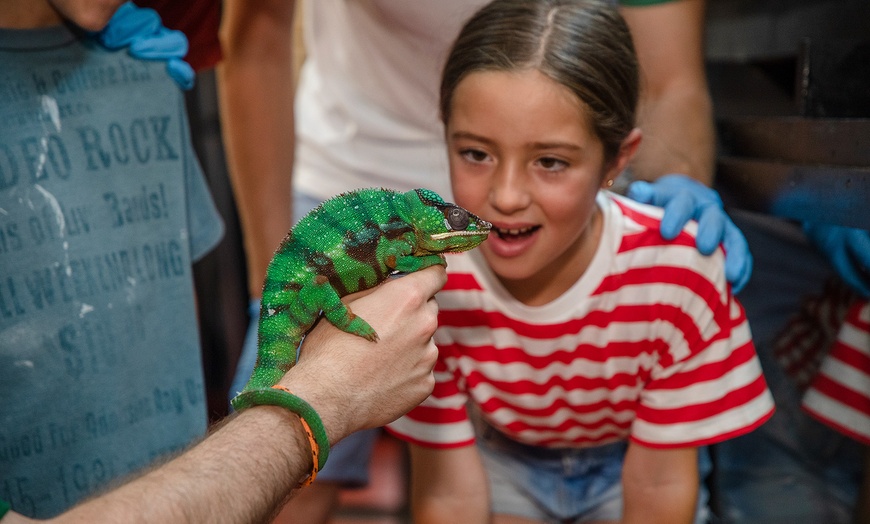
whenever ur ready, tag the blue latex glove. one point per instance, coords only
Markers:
(141, 31)
(683, 199)
(248, 358)
(848, 249)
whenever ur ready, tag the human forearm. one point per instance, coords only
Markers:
(446, 508)
(659, 486)
(242, 471)
(663, 504)
(676, 112)
(678, 136)
(448, 486)
(676, 116)
(239, 474)
(256, 81)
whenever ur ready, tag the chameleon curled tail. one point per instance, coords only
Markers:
(349, 243)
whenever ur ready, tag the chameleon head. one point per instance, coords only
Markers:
(443, 227)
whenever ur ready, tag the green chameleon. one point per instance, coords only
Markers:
(349, 243)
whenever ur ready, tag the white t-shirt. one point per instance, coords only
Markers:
(367, 102)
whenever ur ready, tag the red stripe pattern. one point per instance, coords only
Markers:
(840, 393)
(810, 333)
(649, 345)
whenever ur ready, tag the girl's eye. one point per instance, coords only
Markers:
(473, 155)
(552, 164)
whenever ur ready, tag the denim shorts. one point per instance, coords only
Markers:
(560, 485)
(552, 485)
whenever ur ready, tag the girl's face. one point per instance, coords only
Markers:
(524, 157)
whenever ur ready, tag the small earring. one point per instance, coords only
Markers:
(609, 183)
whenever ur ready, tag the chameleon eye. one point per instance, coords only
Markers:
(457, 218)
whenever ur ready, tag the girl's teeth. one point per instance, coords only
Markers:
(520, 231)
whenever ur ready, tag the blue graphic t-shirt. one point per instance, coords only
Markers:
(103, 208)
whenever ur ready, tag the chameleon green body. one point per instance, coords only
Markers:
(349, 243)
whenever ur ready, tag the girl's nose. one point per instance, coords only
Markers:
(509, 192)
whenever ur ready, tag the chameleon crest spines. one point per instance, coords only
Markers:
(349, 243)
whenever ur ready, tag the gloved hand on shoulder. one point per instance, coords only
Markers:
(848, 250)
(683, 199)
(141, 30)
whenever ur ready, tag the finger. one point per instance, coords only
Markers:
(430, 356)
(161, 46)
(857, 253)
(678, 211)
(128, 24)
(428, 281)
(859, 246)
(738, 258)
(181, 72)
(740, 274)
(855, 278)
(641, 191)
(842, 263)
(711, 230)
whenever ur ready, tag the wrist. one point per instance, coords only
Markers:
(282, 397)
(318, 442)
(332, 409)
(281, 431)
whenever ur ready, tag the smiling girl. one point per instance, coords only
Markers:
(583, 359)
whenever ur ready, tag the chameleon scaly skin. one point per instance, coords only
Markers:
(349, 243)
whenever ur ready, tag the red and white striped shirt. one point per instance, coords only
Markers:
(649, 344)
(840, 393)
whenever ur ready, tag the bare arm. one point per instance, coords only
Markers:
(676, 112)
(660, 486)
(244, 470)
(192, 487)
(448, 485)
(256, 84)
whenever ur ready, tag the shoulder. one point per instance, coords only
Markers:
(637, 217)
(672, 274)
(641, 224)
(642, 243)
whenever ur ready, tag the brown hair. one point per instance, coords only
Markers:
(584, 45)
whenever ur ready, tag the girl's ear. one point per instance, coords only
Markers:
(626, 152)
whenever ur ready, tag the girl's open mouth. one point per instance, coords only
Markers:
(515, 234)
